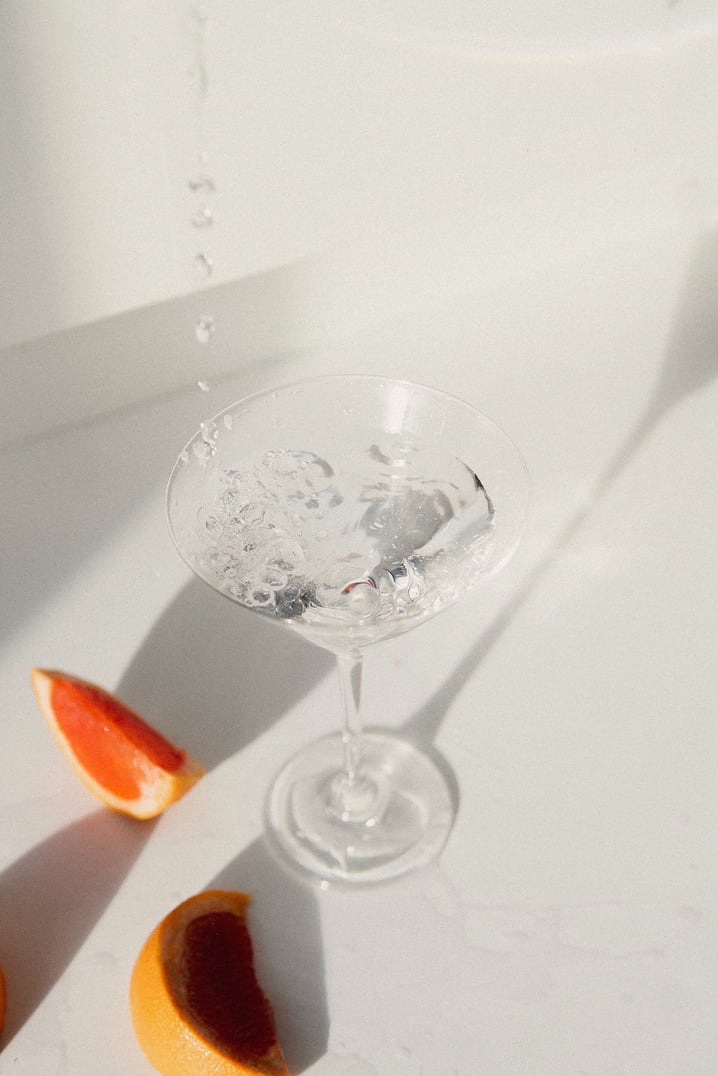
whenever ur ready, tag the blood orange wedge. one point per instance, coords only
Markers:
(194, 997)
(125, 762)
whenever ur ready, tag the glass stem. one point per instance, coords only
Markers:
(354, 796)
(349, 666)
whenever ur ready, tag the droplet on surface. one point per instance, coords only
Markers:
(204, 328)
(202, 450)
(208, 432)
(206, 446)
(203, 386)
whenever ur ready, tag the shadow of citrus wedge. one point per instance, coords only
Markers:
(52, 897)
(195, 1000)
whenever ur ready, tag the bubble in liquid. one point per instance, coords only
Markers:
(203, 266)
(204, 328)
(276, 580)
(262, 597)
(251, 514)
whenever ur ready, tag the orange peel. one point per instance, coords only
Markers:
(195, 1001)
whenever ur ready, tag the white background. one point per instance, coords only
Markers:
(498, 130)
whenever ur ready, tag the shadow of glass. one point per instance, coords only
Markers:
(286, 932)
(214, 676)
(689, 364)
(51, 898)
(691, 359)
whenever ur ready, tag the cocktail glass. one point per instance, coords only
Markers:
(350, 509)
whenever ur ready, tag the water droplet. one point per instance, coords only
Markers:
(276, 580)
(203, 266)
(203, 218)
(202, 450)
(204, 328)
(228, 422)
(203, 386)
(201, 182)
(207, 444)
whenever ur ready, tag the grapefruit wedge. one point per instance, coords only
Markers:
(120, 758)
(195, 1001)
(3, 1000)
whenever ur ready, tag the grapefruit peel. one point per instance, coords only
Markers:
(119, 757)
(195, 1002)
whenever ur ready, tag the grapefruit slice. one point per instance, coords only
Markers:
(3, 1000)
(195, 1001)
(120, 758)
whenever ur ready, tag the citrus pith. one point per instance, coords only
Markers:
(119, 756)
(195, 1001)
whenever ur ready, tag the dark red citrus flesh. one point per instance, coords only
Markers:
(215, 980)
(106, 737)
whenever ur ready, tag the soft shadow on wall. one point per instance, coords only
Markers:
(690, 363)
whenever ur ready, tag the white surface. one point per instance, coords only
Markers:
(570, 926)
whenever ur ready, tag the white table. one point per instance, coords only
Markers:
(569, 927)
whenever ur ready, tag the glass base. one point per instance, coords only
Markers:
(395, 816)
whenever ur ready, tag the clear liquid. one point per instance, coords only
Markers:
(347, 557)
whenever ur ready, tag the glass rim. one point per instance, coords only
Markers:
(313, 379)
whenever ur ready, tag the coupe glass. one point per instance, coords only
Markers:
(350, 509)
